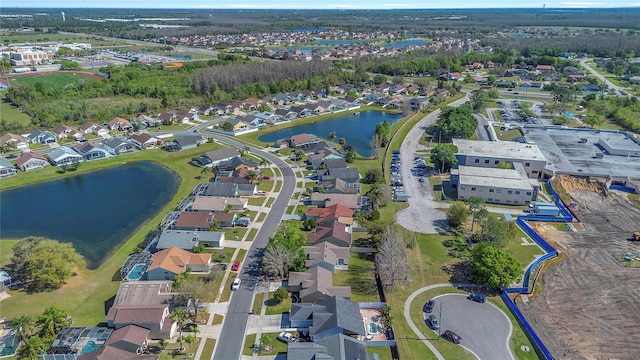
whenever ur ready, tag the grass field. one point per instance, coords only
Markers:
(45, 37)
(56, 79)
(6, 251)
(11, 113)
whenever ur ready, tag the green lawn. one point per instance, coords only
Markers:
(507, 135)
(232, 234)
(252, 234)
(6, 251)
(278, 346)
(256, 201)
(276, 309)
(223, 255)
(11, 113)
(270, 201)
(46, 37)
(257, 303)
(207, 351)
(55, 79)
(360, 277)
(525, 254)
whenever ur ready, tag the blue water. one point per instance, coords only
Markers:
(91, 346)
(136, 272)
(357, 129)
(569, 115)
(95, 211)
(373, 328)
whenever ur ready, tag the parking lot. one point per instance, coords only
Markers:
(485, 330)
(588, 307)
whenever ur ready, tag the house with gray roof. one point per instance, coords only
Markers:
(286, 114)
(335, 347)
(316, 284)
(91, 151)
(213, 158)
(131, 338)
(187, 239)
(235, 162)
(221, 189)
(41, 137)
(266, 117)
(327, 255)
(117, 146)
(64, 155)
(7, 168)
(183, 143)
(339, 186)
(329, 316)
(349, 175)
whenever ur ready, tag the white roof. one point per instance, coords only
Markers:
(492, 177)
(499, 149)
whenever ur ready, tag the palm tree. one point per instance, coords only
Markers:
(332, 136)
(52, 321)
(180, 317)
(31, 348)
(23, 325)
(264, 162)
(252, 176)
(342, 142)
(189, 340)
(375, 196)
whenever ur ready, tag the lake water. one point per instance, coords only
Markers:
(357, 129)
(95, 211)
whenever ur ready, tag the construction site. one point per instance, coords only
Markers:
(586, 305)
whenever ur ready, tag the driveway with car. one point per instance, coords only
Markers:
(485, 330)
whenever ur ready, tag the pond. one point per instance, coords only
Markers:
(357, 129)
(95, 211)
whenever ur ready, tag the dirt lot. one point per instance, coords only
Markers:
(589, 306)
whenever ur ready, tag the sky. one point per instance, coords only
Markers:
(328, 4)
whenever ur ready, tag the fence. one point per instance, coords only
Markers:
(541, 350)
(622, 188)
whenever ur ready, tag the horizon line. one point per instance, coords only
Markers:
(204, 7)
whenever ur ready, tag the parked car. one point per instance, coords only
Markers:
(221, 267)
(395, 151)
(432, 322)
(235, 266)
(428, 306)
(236, 284)
(266, 177)
(477, 298)
(452, 336)
(286, 337)
(189, 326)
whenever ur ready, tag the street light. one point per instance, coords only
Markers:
(440, 316)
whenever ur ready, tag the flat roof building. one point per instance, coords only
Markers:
(489, 154)
(498, 186)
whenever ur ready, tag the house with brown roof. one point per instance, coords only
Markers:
(114, 353)
(145, 141)
(327, 255)
(120, 124)
(297, 140)
(64, 131)
(331, 213)
(31, 161)
(251, 104)
(316, 284)
(324, 200)
(155, 318)
(191, 220)
(131, 338)
(334, 232)
(168, 263)
(166, 117)
(14, 141)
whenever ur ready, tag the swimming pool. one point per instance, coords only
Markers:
(91, 346)
(373, 328)
(569, 115)
(137, 272)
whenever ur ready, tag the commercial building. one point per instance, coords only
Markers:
(498, 186)
(489, 154)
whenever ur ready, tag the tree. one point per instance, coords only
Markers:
(457, 214)
(251, 176)
(332, 136)
(505, 165)
(494, 230)
(180, 317)
(190, 340)
(266, 342)
(44, 264)
(443, 156)
(277, 260)
(479, 99)
(23, 325)
(475, 205)
(195, 290)
(227, 126)
(309, 224)
(31, 348)
(457, 122)
(392, 261)
(350, 156)
(493, 267)
(280, 295)
(376, 196)
(208, 170)
(52, 321)
(263, 162)
(372, 176)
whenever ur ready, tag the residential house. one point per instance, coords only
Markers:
(166, 117)
(334, 232)
(41, 137)
(246, 189)
(266, 118)
(87, 128)
(222, 109)
(65, 131)
(237, 163)
(194, 221)
(131, 338)
(418, 103)
(117, 146)
(218, 204)
(318, 159)
(183, 115)
(337, 212)
(338, 104)
(328, 317)
(352, 101)
(222, 189)
(226, 220)
(90, 151)
(169, 262)
(213, 158)
(302, 111)
(286, 114)
(205, 109)
(326, 255)
(339, 186)
(187, 239)
(120, 124)
(7, 168)
(64, 155)
(349, 175)
(302, 139)
(251, 104)
(31, 160)
(316, 284)
(14, 141)
(155, 318)
(183, 143)
(145, 141)
(114, 353)
(146, 121)
(316, 147)
(72, 340)
(543, 68)
(100, 131)
(333, 347)
(144, 292)
(324, 200)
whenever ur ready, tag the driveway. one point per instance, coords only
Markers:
(421, 215)
(484, 328)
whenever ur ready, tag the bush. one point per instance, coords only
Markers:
(280, 295)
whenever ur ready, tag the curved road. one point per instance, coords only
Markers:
(615, 89)
(484, 328)
(231, 338)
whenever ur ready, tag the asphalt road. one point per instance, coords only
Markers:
(614, 89)
(231, 338)
(485, 330)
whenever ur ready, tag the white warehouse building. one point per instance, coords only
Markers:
(497, 186)
(488, 154)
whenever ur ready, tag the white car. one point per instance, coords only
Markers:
(286, 337)
(236, 284)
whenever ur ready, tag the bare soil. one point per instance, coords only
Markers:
(589, 305)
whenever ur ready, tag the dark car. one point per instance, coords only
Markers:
(428, 306)
(453, 337)
(432, 322)
(235, 266)
(477, 298)
(189, 326)
(396, 152)
(221, 267)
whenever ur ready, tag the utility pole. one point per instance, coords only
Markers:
(440, 320)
